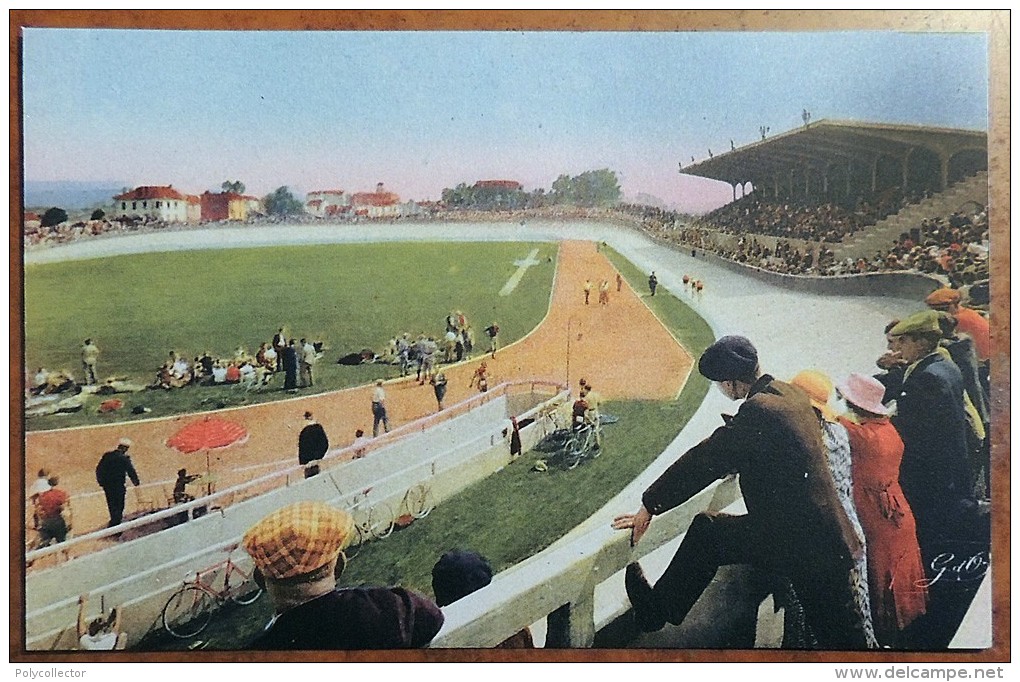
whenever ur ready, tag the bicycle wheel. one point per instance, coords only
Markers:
(419, 501)
(246, 593)
(357, 542)
(381, 521)
(188, 612)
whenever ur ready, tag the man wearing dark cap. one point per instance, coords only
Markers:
(312, 445)
(457, 574)
(794, 526)
(296, 550)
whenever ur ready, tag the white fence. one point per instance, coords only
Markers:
(142, 574)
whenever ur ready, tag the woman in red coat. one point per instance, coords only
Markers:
(895, 573)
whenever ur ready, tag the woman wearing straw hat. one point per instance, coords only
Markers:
(895, 572)
(837, 445)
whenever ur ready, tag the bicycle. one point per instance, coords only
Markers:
(370, 523)
(417, 502)
(190, 609)
(583, 443)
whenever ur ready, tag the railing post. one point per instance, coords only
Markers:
(572, 626)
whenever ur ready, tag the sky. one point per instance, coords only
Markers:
(421, 111)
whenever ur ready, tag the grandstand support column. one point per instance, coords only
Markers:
(734, 192)
(943, 171)
(874, 173)
(905, 167)
(775, 195)
(825, 181)
(849, 173)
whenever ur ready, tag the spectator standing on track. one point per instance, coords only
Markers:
(619, 283)
(439, 388)
(653, 282)
(794, 525)
(587, 290)
(114, 466)
(39, 486)
(296, 549)
(312, 445)
(459, 573)
(379, 409)
(604, 292)
(492, 331)
(54, 512)
(89, 357)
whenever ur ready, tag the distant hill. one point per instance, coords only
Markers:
(70, 196)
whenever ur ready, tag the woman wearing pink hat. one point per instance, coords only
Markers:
(895, 572)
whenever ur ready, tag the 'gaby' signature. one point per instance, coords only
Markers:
(958, 569)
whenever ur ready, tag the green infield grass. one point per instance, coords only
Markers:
(516, 512)
(137, 308)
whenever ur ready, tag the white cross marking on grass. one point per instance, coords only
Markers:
(522, 266)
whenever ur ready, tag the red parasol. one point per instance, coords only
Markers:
(211, 433)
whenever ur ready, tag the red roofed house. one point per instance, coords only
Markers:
(327, 202)
(224, 206)
(158, 202)
(32, 221)
(379, 203)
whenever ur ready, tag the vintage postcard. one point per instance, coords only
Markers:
(510, 336)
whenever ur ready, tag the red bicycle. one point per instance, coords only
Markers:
(190, 609)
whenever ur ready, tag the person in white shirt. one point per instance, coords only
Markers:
(379, 409)
(308, 358)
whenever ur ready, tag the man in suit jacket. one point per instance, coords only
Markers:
(290, 365)
(111, 471)
(935, 473)
(312, 444)
(794, 526)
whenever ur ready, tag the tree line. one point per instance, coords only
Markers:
(589, 189)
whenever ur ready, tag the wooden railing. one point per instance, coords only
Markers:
(559, 584)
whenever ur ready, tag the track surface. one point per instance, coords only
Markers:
(620, 348)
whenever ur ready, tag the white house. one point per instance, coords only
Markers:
(156, 202)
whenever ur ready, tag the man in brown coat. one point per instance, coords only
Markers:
(794, 526)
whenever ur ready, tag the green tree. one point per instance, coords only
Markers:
(98, 214)
(53, 216)
(281, 203)
(235, 186)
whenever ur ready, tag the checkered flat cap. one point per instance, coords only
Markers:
(298, 539)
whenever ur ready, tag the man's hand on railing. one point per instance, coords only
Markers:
(637, 522)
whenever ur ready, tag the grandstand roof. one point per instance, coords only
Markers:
(826, 142)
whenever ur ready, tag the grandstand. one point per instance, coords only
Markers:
(838, 196)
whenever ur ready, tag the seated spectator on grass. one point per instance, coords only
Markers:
(457, 574)
(219, 373)
(99, 634)
(233, 374)
(41, 379)
(296, 550)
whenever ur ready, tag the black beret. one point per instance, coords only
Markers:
(729, 358)
(458, 574)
